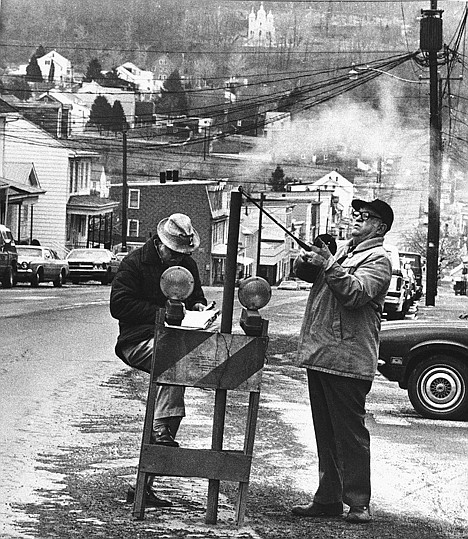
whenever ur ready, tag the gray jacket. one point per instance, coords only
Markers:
(340, 331)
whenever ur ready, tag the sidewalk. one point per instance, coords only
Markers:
(448, 306)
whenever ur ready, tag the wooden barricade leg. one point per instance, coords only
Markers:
(216, 444)
(139, 503)
(249, 440)
(254, 401)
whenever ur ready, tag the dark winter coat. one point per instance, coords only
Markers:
(136, 293)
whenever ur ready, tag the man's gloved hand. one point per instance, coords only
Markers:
(317, 256)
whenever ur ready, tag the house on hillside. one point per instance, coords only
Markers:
(143, 80)
(61, 67)
(162, 64)
(62, 208)
(205, 201)
(74, 112)
(90, 90)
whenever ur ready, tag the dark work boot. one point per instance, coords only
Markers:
(162, 435)
(318, 510)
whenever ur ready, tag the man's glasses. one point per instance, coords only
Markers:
(364, 215)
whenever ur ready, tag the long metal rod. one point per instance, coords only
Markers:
(301, 243)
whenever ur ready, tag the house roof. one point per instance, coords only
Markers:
(333, 178)
(90, 204)
(22, 173)
(6, 107)
(20, 192)
(22, 182)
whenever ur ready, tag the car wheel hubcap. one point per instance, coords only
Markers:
(442, 389)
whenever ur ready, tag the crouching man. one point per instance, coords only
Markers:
(135, 298)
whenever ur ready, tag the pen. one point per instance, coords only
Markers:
(210, 305)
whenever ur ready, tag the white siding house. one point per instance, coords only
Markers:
(143, 80)
(26, 143)
(62, 69)
(68, 208)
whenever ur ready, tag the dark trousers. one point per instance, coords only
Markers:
(343, 442)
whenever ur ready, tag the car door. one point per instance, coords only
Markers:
(50, 265)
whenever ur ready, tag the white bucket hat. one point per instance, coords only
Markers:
(177, 233)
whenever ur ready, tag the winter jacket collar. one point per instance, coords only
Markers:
(149, 254)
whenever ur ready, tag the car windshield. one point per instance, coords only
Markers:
(33, 252)
(88, 254)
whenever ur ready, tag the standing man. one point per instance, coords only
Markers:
(338, 346)
(135, 298)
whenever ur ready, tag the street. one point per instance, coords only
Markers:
(70, 406)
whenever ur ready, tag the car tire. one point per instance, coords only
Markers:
(35, 280)
(106, 279)
(8, 280)
(58, 281)
(438, 388)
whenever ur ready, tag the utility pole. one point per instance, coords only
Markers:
(431, 42)
(124, 191)
(259, 241)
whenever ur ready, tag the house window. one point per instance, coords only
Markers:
(219, 233)
(134, 199)
(80, 172)
(133, 228)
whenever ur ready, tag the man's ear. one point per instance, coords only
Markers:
(382, 229)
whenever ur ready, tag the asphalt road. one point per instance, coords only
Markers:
(58, 390)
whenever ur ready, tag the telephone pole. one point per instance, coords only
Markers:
(431, 42)
(124, 191)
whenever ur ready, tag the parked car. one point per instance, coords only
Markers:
(400, 295)
(120, 256)
(92, 265)
(40, 265)
(430, 360)
(8, 258)
(304, 285)
(288, 285)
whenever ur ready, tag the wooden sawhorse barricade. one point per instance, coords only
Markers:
(205, 359)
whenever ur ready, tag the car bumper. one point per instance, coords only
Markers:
(24, 275)
(90, 274)
(392, 372)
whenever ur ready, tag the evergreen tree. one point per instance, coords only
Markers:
(173, 101)
(40, 52)
(101, 113)
(278, 179)
(18, 87)
(94, 71)
(33, 71)
(119, 121)
(51, 72)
